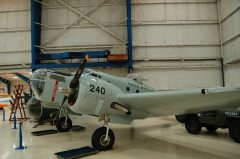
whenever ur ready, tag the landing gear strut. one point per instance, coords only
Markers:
(103, 138)
(64, 124)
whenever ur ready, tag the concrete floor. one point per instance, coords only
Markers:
(154, 137)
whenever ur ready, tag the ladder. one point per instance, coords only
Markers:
(17, 104)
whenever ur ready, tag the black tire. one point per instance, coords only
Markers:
(60, 124)
(211, 128)
(98, 137)
(181, 118)
(234, 130)
(192, 125)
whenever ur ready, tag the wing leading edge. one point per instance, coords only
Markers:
(182, 101)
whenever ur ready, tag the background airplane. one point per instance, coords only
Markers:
(119, 100)
(4, 102)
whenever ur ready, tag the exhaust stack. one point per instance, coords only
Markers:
(121, 108)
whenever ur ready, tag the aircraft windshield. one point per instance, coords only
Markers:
(37, 80)
(136, 78)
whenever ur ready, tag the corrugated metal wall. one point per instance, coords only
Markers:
(177, 38)
(230, 21)
(176, 42)
(15, 37)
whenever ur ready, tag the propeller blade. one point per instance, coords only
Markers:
(78, 74)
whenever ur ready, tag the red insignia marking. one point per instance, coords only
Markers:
(55, 91)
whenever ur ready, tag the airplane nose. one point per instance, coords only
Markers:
(37, 81)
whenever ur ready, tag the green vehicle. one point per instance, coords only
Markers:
(228, 118)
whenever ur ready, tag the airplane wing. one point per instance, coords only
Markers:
(182, 101)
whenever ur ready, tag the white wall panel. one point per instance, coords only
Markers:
(84, 36)
(104, 15)
(231, 26)
(15, 42)
(8, 5)
(176, 52)
(179, 78)
(177, 30)
(162, 29)
(176, 35)
(230, 14)
(227, 6)
(232, 51)
(232, 75)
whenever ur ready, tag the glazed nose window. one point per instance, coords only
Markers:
(37, 80)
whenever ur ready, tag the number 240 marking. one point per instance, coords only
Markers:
(97, 89)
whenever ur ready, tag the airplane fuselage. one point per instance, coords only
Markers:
(95, 94)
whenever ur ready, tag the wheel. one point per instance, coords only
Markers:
(211, 128)
(234, 130)
(98, 139)
(181, 118)
(192, 125)
(61, 126)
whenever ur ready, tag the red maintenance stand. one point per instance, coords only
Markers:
(18, 104)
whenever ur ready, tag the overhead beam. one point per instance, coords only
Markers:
(6, 82)
(75, 65)
(74, 55)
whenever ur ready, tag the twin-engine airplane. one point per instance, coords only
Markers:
(119, 100)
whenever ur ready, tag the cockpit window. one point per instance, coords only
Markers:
(95, 75)
(136, 78)
(58, 78)
(37, 80)
(62, 73)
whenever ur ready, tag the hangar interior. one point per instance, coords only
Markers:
(171, 40)
(171, 44)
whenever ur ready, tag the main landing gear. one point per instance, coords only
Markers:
(63, 123)
(103, 138)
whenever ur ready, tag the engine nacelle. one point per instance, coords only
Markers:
(39, 112)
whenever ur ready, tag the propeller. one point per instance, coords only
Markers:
(75, 81)
(78, 74)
